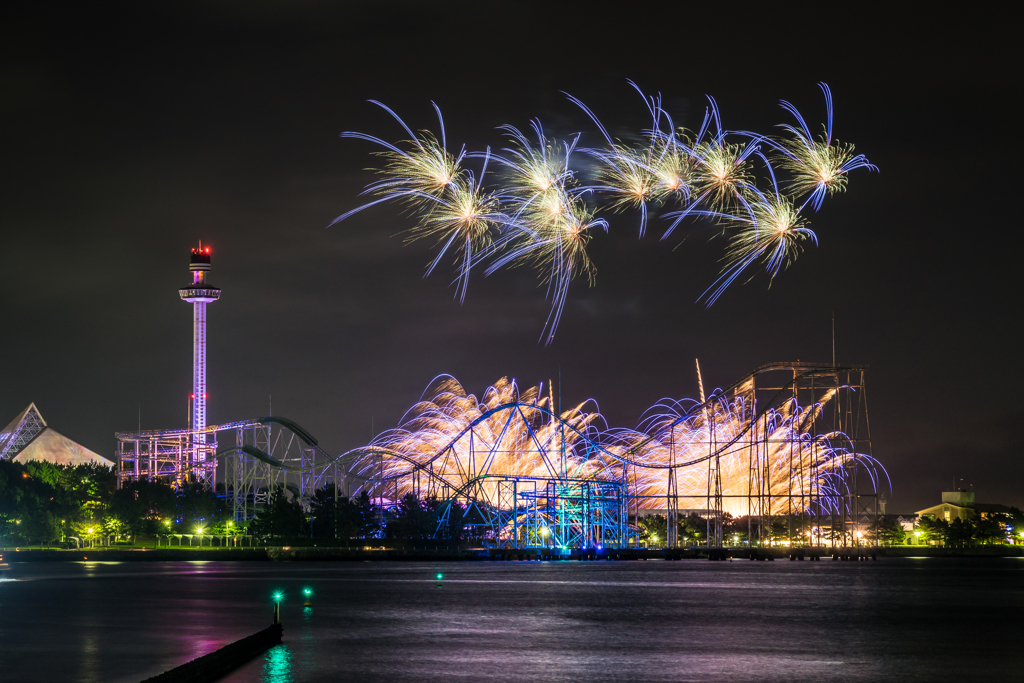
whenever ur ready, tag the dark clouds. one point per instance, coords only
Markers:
(132, 131)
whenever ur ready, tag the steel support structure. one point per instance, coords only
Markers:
(170, 456)
(285, 461)
(783, 495)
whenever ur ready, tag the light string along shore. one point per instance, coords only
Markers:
(532, 203)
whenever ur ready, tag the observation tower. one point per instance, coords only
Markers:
(199, 293)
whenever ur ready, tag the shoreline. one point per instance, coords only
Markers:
(343, 554)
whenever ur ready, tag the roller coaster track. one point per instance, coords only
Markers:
(593, 448)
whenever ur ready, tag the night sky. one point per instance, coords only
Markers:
(130, 132)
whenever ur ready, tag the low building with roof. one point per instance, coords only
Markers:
(29, 438)
(961, 505)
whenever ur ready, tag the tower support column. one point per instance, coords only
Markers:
(199, 293)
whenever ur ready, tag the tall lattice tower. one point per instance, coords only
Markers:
(199, 293)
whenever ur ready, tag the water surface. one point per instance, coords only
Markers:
(895, 619)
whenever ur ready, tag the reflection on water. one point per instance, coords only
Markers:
(277, 665)
(90, 654)
(593, 621)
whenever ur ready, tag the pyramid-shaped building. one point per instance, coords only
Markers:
(28, 437)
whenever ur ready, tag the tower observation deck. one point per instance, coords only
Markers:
(199, 293)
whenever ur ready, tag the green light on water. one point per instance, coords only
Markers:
(440, 576)
(307, 591)
(277, 666)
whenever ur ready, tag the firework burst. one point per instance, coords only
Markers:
(640, 176)
(674, 167)
(551, 233)
(819, 168)
(424, 170)
(463, 219)
(722, 175)
(449, 202)
(534, 170)
(542, 213)
(719, 173)
(773, 235)
(549, 224)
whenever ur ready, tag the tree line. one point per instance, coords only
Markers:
(44, 503)
(693, 529)
(974, 531)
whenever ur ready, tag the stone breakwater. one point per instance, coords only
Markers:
(218, 663)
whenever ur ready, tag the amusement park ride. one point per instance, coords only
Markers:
(757, 455)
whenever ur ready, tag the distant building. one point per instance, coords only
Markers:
(961, 505)
(28, 438)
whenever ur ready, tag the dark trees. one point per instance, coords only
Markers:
(890, 532)
(282, 517)
(142, 506)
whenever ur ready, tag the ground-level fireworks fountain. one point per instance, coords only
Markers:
(788, 444)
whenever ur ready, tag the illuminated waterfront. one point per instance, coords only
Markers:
(611, 621)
